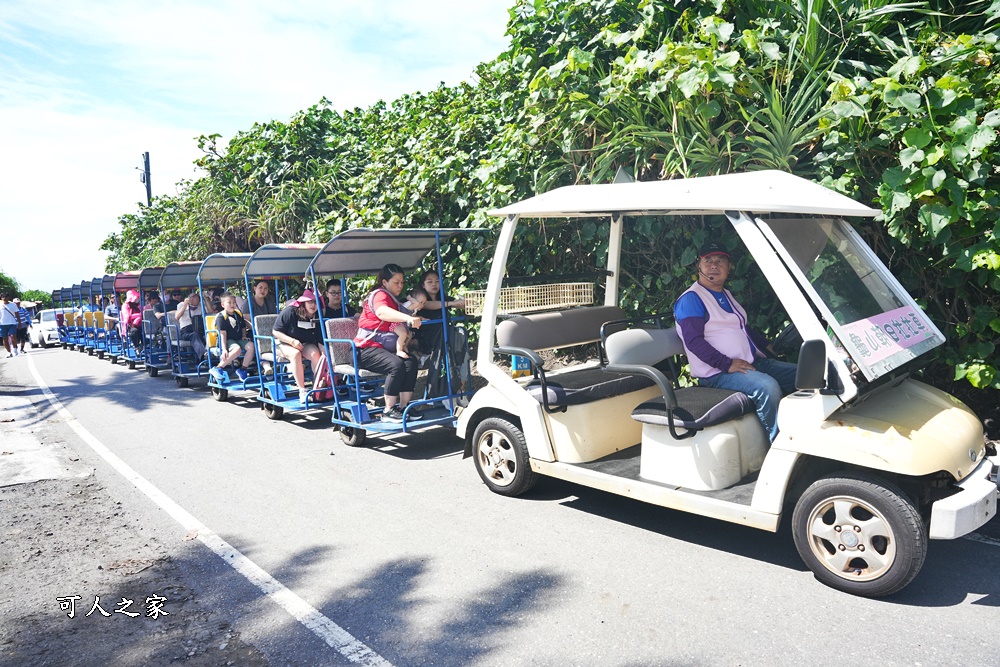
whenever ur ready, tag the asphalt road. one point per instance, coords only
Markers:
(399, 547)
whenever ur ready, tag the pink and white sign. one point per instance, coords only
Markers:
(881, 336)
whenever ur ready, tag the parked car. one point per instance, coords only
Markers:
(45, 329)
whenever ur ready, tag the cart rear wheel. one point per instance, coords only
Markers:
(152, 371)
(100, 354)
(221, 395)
(859, 534)
(113, 359)
(181, 381)
(131, 364)
(353, 436)
(501, 456)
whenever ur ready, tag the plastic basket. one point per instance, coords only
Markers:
(533, 298)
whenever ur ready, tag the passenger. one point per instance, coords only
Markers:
(260, 303)
(405, 341)
(298, 334)
(153, 303)
(8, 325)
(189, 320)
(131, 319)
(111, 311)
(335, 300)
(23, 322)
(381, 312)
(722, 350)
(233, 330)
(430, 335)
(173, 300)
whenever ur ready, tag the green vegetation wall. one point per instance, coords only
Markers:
(895, 105)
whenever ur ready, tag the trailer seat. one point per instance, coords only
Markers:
(529, 334)
(263, 327)
(342, 354)
(172, 331)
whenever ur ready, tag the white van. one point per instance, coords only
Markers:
(871, 462)
(44, 329)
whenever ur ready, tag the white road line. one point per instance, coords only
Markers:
(306, 614)
(976, 537)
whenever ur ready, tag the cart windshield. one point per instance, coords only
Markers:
(874, 318)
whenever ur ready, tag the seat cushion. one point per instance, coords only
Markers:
(586, 386)
(697, 408)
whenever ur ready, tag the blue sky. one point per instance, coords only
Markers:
(87, 87)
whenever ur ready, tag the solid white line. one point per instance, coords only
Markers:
(306, 614)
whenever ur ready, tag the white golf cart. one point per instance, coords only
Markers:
(873, 462)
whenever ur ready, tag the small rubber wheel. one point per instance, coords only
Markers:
(100, 354)
(152, 371)
(65, 346)
(272, 412)
(859, 534)
(181, 381)
(131, 364)
(221, 395)
(501, 456)
(353, 436)
(113, 359)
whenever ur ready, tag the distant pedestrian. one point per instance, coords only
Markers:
(23, 322)
(8, 325)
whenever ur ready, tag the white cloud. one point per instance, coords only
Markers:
(85, 88)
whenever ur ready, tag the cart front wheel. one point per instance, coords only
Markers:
(152, 371)
(131, 365)
(181, 381)
(353, 436)
(501, 456)
(100, 354)
(221, 395)
(272, 412)
(113, 359)
(859, 534)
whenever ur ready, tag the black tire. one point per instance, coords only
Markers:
(221, 395)
(181, 381)
(501, 457)
(131, 364)
(353, 436)
(65, 346)
(100, 354)
(859, 534)
(272, 412)
(113, 359)
(152, 371)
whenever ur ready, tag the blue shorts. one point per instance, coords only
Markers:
(7, 330)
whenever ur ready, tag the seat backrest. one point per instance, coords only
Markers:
(171, 326)
(152, 323)
(70, 319)
(263, 326)
(211, 333)
(643, 347)
(342, 328)
(99, 320)
(88, 319)
(564, 328)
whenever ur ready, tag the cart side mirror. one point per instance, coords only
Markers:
(811, 371)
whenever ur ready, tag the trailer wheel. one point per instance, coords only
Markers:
(219, 394)
(131, 364)
(65, 346)
(181, 381)
(272, 412)
(501, 456)
(113, 359)
(353, 436)
(859, 534)
(100, 354)
(152, 371)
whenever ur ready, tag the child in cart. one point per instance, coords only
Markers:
(234, 339)
(405, 340)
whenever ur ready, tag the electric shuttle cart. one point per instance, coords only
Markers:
(871, 462)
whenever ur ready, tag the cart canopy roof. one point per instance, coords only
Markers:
(108, 284)
(149, 278)
(366, 251)
(281, 260)
(126, 280)
(178, 275)
(222, 267)
(75, 292)
(757, 192)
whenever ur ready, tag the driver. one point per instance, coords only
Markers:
(722, 350)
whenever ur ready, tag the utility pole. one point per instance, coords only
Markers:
(144, 178)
